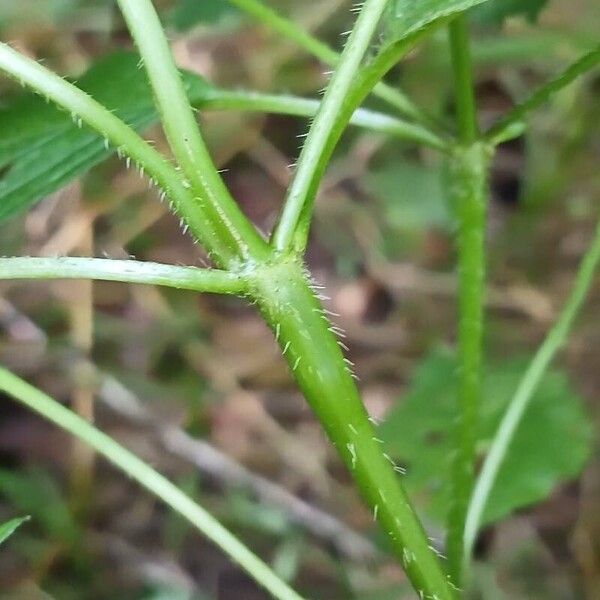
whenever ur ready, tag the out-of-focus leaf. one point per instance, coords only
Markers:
(189, 13)
(495, 11)
(407, 17)
(42, 149)
(8, 528)
(92, 15)
(411, 195)
(551, 444)
(35, 493)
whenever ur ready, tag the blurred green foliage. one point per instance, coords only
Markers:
(496, 11)
(189, 13)
(551, 445)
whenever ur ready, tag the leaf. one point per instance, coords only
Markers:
(495, 11)
(189, 13)
(408, 17)
(412, 196)
(418, 434)
(41, 149)
(8, 528)
(34, 492)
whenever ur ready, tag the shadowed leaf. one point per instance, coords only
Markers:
(42, 149)
(551, 445)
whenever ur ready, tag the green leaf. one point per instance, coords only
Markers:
(494, 12)
(412, 196)
(34, 492)
(41, 149)
(189, 13)
(8, 528)
(408, 17)
(418, 434)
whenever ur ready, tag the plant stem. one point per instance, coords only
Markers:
(311, 164)
(148, 478)
(126, 271)
(307, 107)
(301, 194)
(463, 79)
(85, 109)
(469, 169)
(323, 52)
(469, 191)
(236, 236)
(520, 401)
(317, 364)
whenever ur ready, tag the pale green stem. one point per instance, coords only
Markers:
(147, 477)
(316, 362)
(363, 83)
(307, 107)
(524, 393)
(310, 163)
(127, 271)
(236, 238)
(323, 52)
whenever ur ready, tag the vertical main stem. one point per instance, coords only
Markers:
(312, 352)
(524, 393)
(469, 190)
(466, 117)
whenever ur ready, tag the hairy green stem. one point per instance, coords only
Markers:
(310, 163)
(83, 108)
(323, 52)
(499, 131)
(529, 383)
(469, 170)
(460, 52)
(311, 349)
(307, 107)
(469, 197)
(235, 238)
(148, 478)
(127, 271)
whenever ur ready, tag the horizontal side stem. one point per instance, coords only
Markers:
(148, 478)
(126, 271)
(520, 401)
(307, 107)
